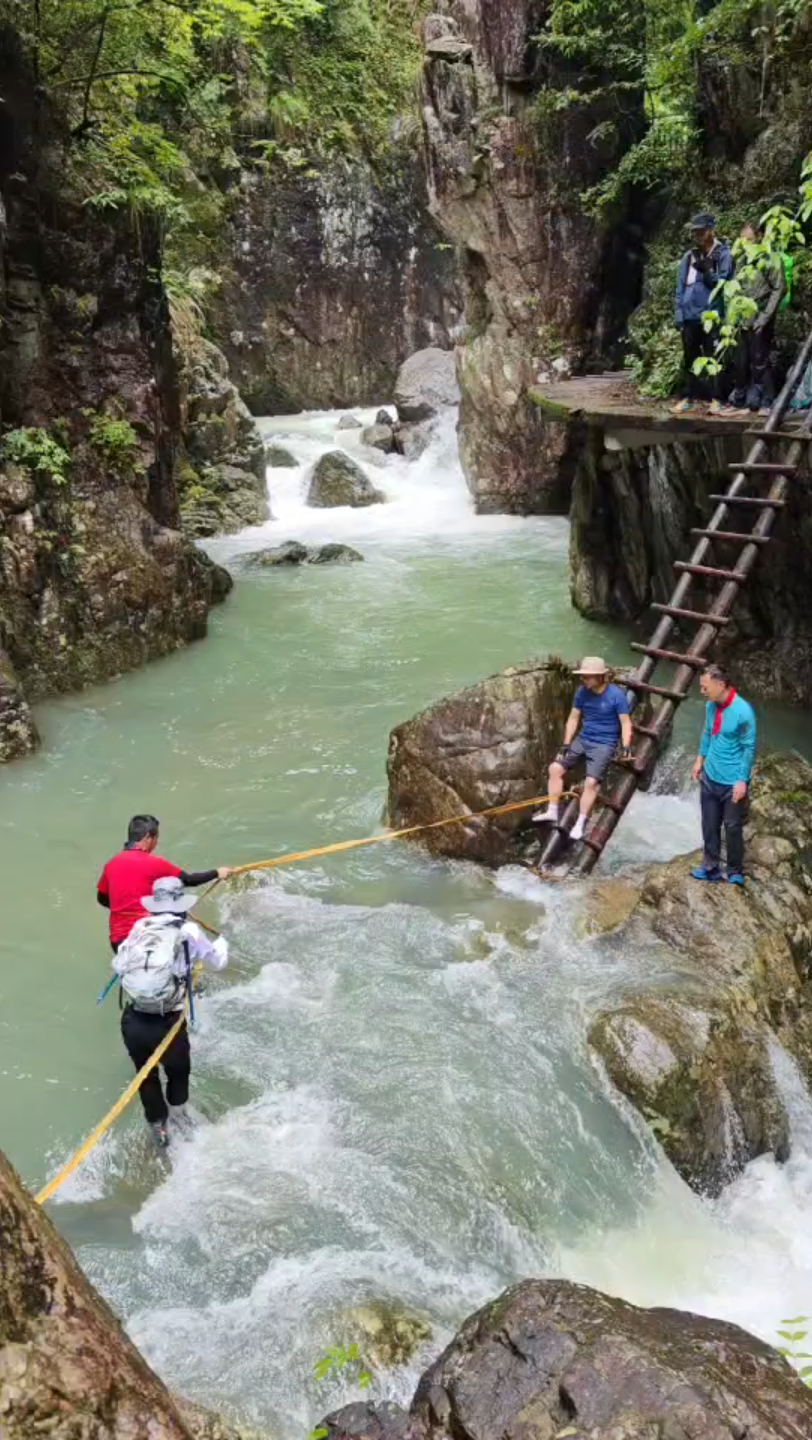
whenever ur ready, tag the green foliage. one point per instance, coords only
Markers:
(340, 1360)
(33, 448)
(794, 1338)
(115, 442)
(655, 359)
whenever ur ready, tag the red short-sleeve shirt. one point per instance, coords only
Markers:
(124, 880)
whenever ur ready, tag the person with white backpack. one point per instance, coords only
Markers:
(155, 965)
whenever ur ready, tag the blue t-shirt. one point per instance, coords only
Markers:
(600, 721)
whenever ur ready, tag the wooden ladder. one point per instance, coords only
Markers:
(727, 526)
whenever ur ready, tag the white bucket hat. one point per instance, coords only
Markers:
(591, 665)
(168, 898)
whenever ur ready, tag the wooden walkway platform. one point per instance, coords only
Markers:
(611, 403)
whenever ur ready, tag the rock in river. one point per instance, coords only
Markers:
(379, 437)
(279, 458)
(426, 384)
(338, 480)
(550, 1359)
(292, 552)
(485, 746)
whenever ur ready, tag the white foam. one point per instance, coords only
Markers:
(426, 498)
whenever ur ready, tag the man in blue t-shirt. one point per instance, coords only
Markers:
(723, 767)
(604, 710)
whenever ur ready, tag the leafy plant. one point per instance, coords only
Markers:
(340, 1358)
(115, 442)
(36, 450)
(794, 1338)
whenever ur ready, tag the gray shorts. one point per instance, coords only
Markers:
(598, 756)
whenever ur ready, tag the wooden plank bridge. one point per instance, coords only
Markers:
(778, 454)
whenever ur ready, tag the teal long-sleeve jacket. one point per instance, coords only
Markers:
(729, 755)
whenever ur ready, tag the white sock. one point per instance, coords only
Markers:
(552, 810)
(579, 827)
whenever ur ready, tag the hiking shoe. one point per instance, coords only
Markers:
(717, 408)
(545, 817)
(160, 1134)
(735, 878)
(702, 873)
(683, 407)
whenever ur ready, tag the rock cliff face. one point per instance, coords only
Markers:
(549, 1359)
(332, 282)
(67, 1369)
(632, 512)
(94, 577)
(221, 474)
(542, 280)
(727, 975)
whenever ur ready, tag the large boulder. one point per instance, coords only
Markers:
(488, 745)
(68, 1371)
(550, 1359)
(426, 384)
(380, 436)
(292, 552)
(339, 480)
(728, 981)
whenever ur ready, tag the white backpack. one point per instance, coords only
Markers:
(152, 964)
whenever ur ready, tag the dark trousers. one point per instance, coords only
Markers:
(753, 380)
(141, 1034)
(718, 809)
(696, 343)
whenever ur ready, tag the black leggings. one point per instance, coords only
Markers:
(142, 1033)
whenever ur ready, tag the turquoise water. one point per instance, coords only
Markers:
(393, 1092)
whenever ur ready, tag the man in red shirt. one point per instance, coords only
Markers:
(132, 873)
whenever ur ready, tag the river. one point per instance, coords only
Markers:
(395, 1097)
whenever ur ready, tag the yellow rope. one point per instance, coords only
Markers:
(291, 859)
(104, 1125)
(294, 857)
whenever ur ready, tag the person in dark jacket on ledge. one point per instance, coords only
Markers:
(133, 872)
(701, 269)
(765, 284)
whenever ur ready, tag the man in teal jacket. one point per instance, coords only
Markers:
(723, 768)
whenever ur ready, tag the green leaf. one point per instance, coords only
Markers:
(364, 1380)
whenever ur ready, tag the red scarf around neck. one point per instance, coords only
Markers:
(720, 706)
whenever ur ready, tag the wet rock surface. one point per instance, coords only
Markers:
(94, 577)
(488, 745)
(334, 279)
(294, 553)
(221, 480)
(542, 279)
(67, 1368)
(338, 480)
(549, 1359)
(727, 977)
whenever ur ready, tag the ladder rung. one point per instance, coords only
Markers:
(697, 661)
(747, 500)
(762, 467)
(676, 695)
(709, 570)
(648, 730)
(733, 535)
(700, 615)
(790, 436)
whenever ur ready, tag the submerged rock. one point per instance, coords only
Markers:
(279, 458)
(729, 976)
(333, 555)
(349, 422)
(426, 384)
(337, 480)
(379, 436)
(387, 1333)
(488, 745)
(294, 553)
(67, 1367)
